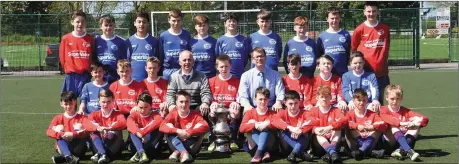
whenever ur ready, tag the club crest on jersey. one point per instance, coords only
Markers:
(131, 92)
(188, 126)
(272, 41)
(207, 46)
(342, 39)
(158, 90)
(148, 47)
(114, 47)
(309, 48)
(231, 88)
(183, 42)
(86, 44)
(381, 32)
(238, 44)
(70, 44)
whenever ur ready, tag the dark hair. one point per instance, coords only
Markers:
(78, 13)
(325, 57)
(105, 93)
(142, 14)
(333, 11)
(108, 18)
(145, 97)
(291, 95)
(263, 91)
(229, 16)
(356, 54)
(372, 3)
(182, 93)
(259, 50)
(223, 58)
(67, 96)
(94, 66)
(294, 58)
(175, 13)
(264, 14)
(359, 93)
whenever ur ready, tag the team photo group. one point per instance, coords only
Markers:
(186, 92)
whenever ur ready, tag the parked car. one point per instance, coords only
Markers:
(52, 57)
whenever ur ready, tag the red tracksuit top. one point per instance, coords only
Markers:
(193, 123)
(253, 114)
(374, 43)
(114, 119)
(157, 90)
(224, 90)
(126, 95)
(370, 118)
(282, 119)
(335, 85)
(75, 53)
(315, 118)
(303, 86)
(394, 118)
(137, 122)
(68, 122)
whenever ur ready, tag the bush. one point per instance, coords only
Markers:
(27, 39)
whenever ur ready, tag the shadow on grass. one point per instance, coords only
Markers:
(432, 152)
(437, 136)
(205, 155)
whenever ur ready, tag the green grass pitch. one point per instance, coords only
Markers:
(28, 103)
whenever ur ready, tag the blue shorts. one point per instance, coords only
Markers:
(383, 82)
(74, 82)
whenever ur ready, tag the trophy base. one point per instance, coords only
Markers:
(223, 148)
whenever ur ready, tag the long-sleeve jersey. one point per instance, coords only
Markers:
(336, 45)
(115, 120)
(109, 51)
(139, 50)
(76, 52)
(204, 55)
(193, 123)
(271, 43)
(316, 118)
(283, 119)
(157, 90)
(303, 85)
(335, 85)
(70, 123)
(170, 46)
(224, 90)
(252, 114)
(368, 118)
(237, 49)
(126, 95)
(137, 122)
(90, 96)
(403, 114)
(366, 81)
(373, 42)
(307, 50)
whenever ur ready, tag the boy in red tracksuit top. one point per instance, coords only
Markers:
(156, 86)
(325, 77)
(257, 125)
(126, 90)
(290, 121)
(404, 124)
(185, 129)
(372, 38)
(365, 127)
(76, 54)
(68, 130)
(106, 127)
(326, 125)
(143, 127)
(297, 82)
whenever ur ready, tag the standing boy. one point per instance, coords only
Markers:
(89, 95)
(203, 47)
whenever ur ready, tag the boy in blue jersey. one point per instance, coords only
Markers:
(109, 48)
(234, 45)
(203, 47)
(89, 94)
(141, 46)
(172, 42)
(335, 42)
(358, 78)
(303, 46)
(265, 38)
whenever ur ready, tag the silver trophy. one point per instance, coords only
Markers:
(221, 129)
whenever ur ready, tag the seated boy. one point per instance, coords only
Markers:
(143, 127)
(67, 128)
(290, 122)
(404, 124)
(365, 127)
(185, 129)
(324, 119)
(106, 127)
(89, 94)
(256, 123)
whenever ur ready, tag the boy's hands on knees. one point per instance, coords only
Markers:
(68, 136)
(182, 134)
(138, 135)
(369, 128)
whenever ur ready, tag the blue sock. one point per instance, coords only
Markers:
(402, 141)
(367, 143)
(177, 143)
(262, 139)
(295, 144)
(234, 130)
(331, 149)
(62, 144)
(137, 142)
(410, 140)
(359, 140)
(98, 143)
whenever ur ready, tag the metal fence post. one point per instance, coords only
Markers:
(39, 42)
(417, 40)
